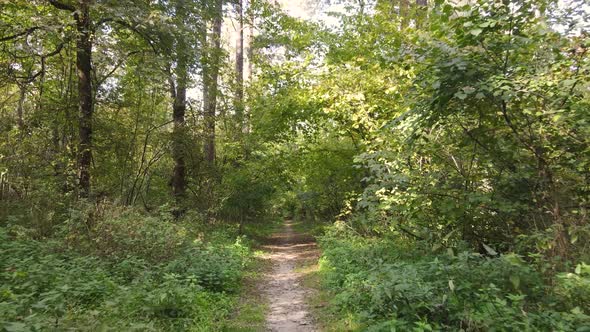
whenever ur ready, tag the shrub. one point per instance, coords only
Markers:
(389, 286)
(115, 232)
(128, 271)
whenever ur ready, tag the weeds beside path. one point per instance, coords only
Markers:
(274, 297)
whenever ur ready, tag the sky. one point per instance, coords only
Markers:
(309, 10)
(296, 8)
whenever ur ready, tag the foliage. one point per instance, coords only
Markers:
(92, 280)
(450, 144)
(448, 140)
(388, 285)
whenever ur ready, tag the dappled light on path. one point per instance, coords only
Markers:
(288, 310)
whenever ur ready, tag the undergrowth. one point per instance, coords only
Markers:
(118, 269)
(386, 285)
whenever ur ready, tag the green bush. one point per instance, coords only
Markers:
(128, 272)
(115, 232)
(388, 286)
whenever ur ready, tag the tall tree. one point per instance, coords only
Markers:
(250, 54)
(210, 85)
(239, 93)
(178, 87)
(85, 101)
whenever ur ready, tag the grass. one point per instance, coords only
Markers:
(259, 231)
(309, 227)
(328, 320)
(250, 311)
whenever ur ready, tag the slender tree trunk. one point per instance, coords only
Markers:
(404, 7)
(86, 107)
(251, 42)
(179, 110)
(210, 77)
(421, 12)
(239, 97)
(20, 108)
(250, 54)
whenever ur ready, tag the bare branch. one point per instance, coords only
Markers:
(23, 33)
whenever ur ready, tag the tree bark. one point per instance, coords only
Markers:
(251, 42)
(178, 113)
(178, 110)
(85, 102)
(210, 77)
(239, 97)
(20, 108)
(250, 54)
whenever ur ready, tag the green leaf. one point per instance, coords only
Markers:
(476, 31)
(513, 259)
(489, 249)
(574, 238)
(515, 280)
(16, 327)
(450, 252)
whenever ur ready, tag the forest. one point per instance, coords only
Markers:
(309, 165)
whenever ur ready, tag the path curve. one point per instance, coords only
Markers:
(288, 311)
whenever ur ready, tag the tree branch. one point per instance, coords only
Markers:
(117, 66)
(130, 27)
(62, 6)
(30, 78)
(24, 33)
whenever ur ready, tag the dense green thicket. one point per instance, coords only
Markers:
(123, 270)
(124, 171)
(387, 284)
(450, 142)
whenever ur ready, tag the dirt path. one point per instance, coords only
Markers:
(286, 296)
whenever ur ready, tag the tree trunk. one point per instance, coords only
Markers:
(179, 110)
(404, 7)
(20, 108)
(250, 54)
(239, 97)
(85, 102)
(251, 43)
(210, 77)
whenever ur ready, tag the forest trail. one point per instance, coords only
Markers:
(282, 286)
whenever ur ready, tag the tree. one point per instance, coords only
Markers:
(179, 77)
(239, 69)
(211, 65)
(85, 101)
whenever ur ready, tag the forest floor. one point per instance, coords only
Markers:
(282, 285)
